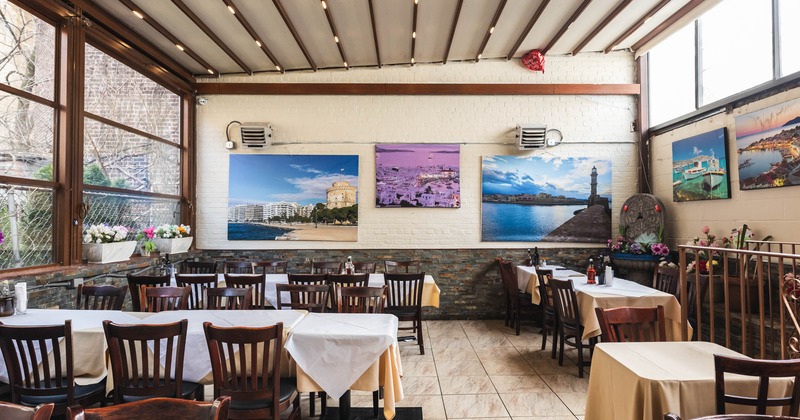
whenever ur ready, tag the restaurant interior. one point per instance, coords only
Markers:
(408, 209)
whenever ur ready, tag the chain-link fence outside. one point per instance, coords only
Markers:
(26, 221)
(129, 210)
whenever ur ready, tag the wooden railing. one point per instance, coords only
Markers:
(750, 305)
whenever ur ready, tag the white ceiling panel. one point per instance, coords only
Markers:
(434, 20)
(355, 30)
(476, 16)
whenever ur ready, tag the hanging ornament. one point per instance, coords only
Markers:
(534, 60)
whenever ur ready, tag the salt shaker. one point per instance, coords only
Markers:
(21, 296)
(609, 276)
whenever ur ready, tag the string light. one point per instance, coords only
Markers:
(258, 43)
(324, 5)
(278, 68)
(210, 71)
(479, 56)
(412, 60)
(232, 10)
(345, 63)
(414, 34)
(180, 47)
(491, 30)
(336, 38)
(138, 14)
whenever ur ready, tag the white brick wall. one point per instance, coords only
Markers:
(774, 211)
(484, 125)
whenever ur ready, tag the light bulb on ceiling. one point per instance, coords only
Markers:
(210, 71)
(138, 14)
(179, 46)
(258, 43)
(414, 34)
(491, 30)
(278, 68)
(324, 5)
(232, 10)
(412, 60)
(336, 38)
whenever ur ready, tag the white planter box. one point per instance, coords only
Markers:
(174, 245)
(109, 252)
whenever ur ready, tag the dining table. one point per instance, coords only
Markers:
(643, 381)
(620, 293)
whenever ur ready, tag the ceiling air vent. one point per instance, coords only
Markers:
(531, 136)
(256, 135)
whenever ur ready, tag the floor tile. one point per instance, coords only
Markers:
(518, 384)
(459, 368)
(467, 385)
(534, 404)
(575, 401)
(471, 406)
(427, 368)
(432, 406)
(566, 383)
(421, 385)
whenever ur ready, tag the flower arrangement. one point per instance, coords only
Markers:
(101, 234)
(2, 238)
(646, 243)
(172, 231)
(147, 234)
(740, 236)
(701, 260)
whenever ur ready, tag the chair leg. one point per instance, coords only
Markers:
(561, 349)
(375, 398)
(311, 397)
(323, 403)
(545, 330)
(419, 336)
(579, 345)
(556, 335)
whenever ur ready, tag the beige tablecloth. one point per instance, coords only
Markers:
(337, 352)
(621, 293)
(643, 381)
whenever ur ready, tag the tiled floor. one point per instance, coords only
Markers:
(480, 369)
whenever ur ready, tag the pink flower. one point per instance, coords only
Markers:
(706, 229)
(702, 242)
(149, 232)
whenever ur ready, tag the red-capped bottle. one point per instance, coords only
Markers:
(591, 273)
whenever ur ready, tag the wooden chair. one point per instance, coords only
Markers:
(549, 312)
(231, 298)
(256, 389)
(632, 324)
(238, 267)
(105, 298)
(569, 322)
(347, 280)
(9, 411)
(257, 281)
(317, 279)
(360, 300)
(666, 279)
(197, 284)
(309, 297)
(365, 267)
(515, 299)
(156, 408)
(199, 267)
(405, 301)
(763, 370)
(326, 267)
(136, 374)
(166, 298)
(401, 267)
(271, 267)
(135, 284)
(55, 381)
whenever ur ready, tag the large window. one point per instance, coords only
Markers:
(27, 115)
(131, 142)
(726, 51)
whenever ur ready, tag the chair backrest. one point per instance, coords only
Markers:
(347, 280)
(326, 267)
(309, 297)
(404, 290)
(632, 324)
(101, 297)
(155, 408)
(238, 267)
(365, 267)
(164, 298)
(20, 347)
(199, 267)
(258, 351)
(507, 275)
(229, 297)
(136, 359)
(360, 299)
(10, 411)
(135, 284)
(197, 284)
(566, 303)
(763, 370)
(666, 279)
(257, 281)
(546, 296)
(692, 292)
(308, 279)
(271, 267)
(401, 267)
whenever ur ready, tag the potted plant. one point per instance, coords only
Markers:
(638, 258)
(148, 245)
(173, 239)
(105, 244)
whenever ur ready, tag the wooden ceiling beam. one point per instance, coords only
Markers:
(414, 32)
(209, 33)
(636, 25)
(167, 34)
(683, 11)
(610, 17)
(339, 44)
(288, 21)
(257, 39)
(489, 31)
(375, 33)
(405, 89)
(527, 30)
(575, 15)
(456, 15)
(103, 18)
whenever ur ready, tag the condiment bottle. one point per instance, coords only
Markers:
(591, 273)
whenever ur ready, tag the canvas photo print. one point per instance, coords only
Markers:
(545, 199)
(768, 147)
(293, 198)
(700, 167)
(417, 175)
